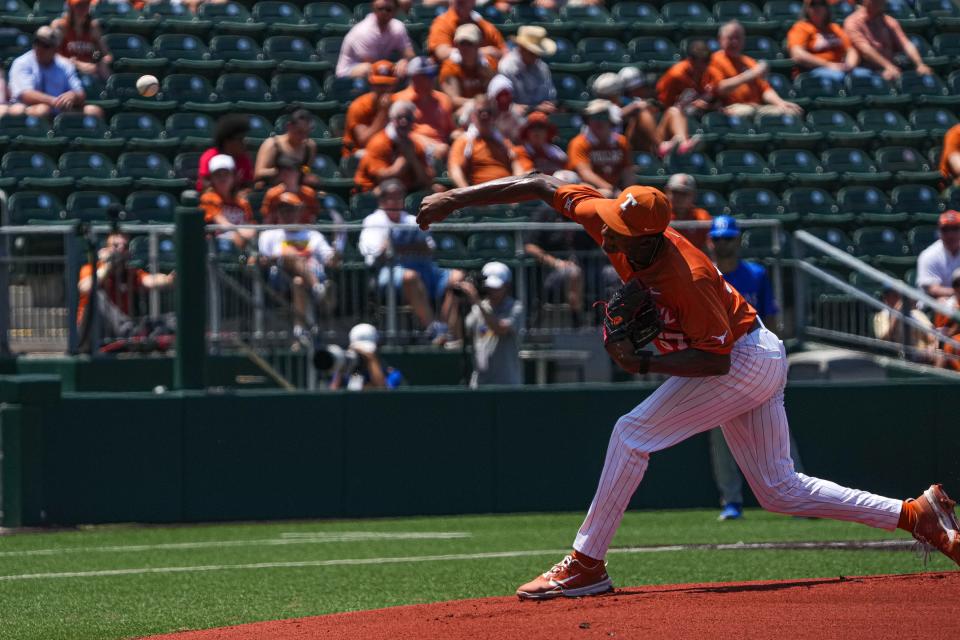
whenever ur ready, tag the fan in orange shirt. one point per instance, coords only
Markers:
(434, 117)
(950, 156)
(741, 80)
(682, 192)
(395, 153)
(535, 151)
(444, 26)
(467, 77)
(291, 181)
(819, 44)
(724, 367)
(221, 204)
(368, 114)
(481, 154)
(600, 155)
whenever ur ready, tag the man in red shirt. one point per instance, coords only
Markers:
(725, 368)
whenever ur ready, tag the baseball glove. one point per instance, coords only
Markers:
(631, 314)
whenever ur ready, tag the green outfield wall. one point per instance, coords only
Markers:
(196, 456)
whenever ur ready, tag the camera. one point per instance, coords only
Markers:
(332, 359)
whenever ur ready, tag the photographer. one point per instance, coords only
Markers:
(359, 367)
(494, 322)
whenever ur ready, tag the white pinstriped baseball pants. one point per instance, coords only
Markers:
(747, 403)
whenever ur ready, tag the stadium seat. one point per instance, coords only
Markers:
(713, 202)
(230, 18)
(603, 53)
(121, 17)
(833, 236)
(301, 89)
(907, 164)
(813, 205)
(25, 207)
(868, 204)
(282, 18)
(755, 202)
(655, 53)
(247, 92)
(241, 53)
(699, 166)
(693, 17)
(744, 12)
(568, 124)
(947, 45)
(92, 170)
(893, 128)
(131, 53)
(89, 205)
(734, 131)
(329, 49)
(31, 170)
(782, 12)
(921, 237)
(294, 54)
(192, 92)
(839, 127)
(566, 59)
(789, 130)
(930, 57)
(876, 91)
(920, 202)
(141, 131)
(491, 245)
(904, 14)
(13, 43)
(757, 243)
(151, 206)
(122, 87)
(936, 120)
(260, 130)
(649, 169)
(187, 165)
(592, 20)
(884, 246)
(29, 133)
(331, 18)
(801, 167)
(85, 133)
(824, 93)
(854, 166)
(192, 130)
(926, 89)
(641, 18)
(344, 90)
(187, 53)
(762, 47)
(571, 92)
(15, 13)
(149, 170)
(748, 168)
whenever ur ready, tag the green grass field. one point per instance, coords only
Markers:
(127, 581)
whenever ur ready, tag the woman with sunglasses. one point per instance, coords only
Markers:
(820, 46)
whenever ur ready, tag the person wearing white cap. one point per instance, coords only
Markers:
(368, 371)
(681, 190)
(467, 75)
(530, 75)
(46, 83)
(599, 154)
(223, 205)
(494, 321)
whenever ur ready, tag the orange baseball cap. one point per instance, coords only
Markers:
(291, 199)
(382, 72)
(637, 211)
(950, 219)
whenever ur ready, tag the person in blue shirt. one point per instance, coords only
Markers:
(46, 83)
(751, 280)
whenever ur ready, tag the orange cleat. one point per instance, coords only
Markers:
(937, 526)
(569, 578)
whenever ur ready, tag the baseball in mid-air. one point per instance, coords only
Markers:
(148, 86)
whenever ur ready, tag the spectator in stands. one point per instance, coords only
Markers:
(601, 156)
(558, 253)
(819, 45)
(378, 36)
(950, 358)
(118, 285)
(481, 154)
(81, 40)
(295, 144)
(936, 263)
(741, 81)
(440, 39)
(494, 321)
(434, 118)
(888, 325)
(530, 75)
(404, 256)
(395, 153)
(46, 83)
(689, 85)
(5, 106)
(229, 138)
(682, 192)
(535, 151)
(297, 260)
(223, 205)
(467, 77)
(509, 116)
(366, 370)
(369, 113)
(950, 156)
(879, 38)
(290, 177)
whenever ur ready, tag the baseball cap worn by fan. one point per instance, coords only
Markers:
(222, 162)
(382, 73)
(681, 182)
(637, 211)
(364, 337)
(598, 108)
(607, 85)
(421, 66)
(495, 275)
(949, 219)
(724, 227)
(467, 33)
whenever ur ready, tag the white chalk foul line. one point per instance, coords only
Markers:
(284, 539)
(885, 544)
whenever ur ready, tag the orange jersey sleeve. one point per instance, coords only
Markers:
(456, 157)
(951, 144)
(442, 29)
(723, 68)
(450, 70)
(211, 204)
(523, 158)
(577, 202)
(578, 151)
(376, 158)
(361, 111)
(673, 83)
(491, 36)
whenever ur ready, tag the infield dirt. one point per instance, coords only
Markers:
(848, 608)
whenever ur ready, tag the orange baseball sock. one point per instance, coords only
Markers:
(908, 516)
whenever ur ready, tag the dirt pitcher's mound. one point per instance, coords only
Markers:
(904, 606)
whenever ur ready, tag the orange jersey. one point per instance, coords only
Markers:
(951, 144)
(481, 159)
(472, 81)
(680, 78)
(237, 210)
(697, 237)
(434, 117)
(120, 288)
(445, 25)
(698, 308)
(725, 68)
(547, 159)
(608, 159)
(379, 154)
(308, 213)
(830, 45)
(363, 111)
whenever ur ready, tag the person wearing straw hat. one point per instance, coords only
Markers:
(442, 30)
(530, 75)
(600, 155)
(467, 77)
